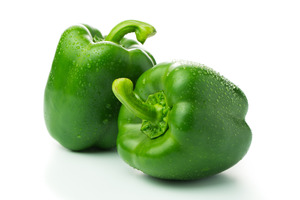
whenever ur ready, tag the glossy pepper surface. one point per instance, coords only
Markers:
(79, 106)
(182, 121)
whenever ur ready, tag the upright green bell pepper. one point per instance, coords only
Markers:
(79, 107)
(182, 121)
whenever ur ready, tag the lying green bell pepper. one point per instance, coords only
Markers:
(182, 121)
(79, 107)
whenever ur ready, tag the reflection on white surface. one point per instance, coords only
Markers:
(98, 174)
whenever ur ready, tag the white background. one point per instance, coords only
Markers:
(255, 44)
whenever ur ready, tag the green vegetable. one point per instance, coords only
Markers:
(182, 121)
(79, 106)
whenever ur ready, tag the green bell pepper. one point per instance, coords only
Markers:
(79, 107)
(182, 121)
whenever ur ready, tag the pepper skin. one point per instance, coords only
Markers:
(183, 121)
(79, 107)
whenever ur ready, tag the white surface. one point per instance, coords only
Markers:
(255, 44)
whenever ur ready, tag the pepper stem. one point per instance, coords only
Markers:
(123, 90)
(141, 29)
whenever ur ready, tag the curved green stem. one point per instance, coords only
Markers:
(141, 29)
(123, 90)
